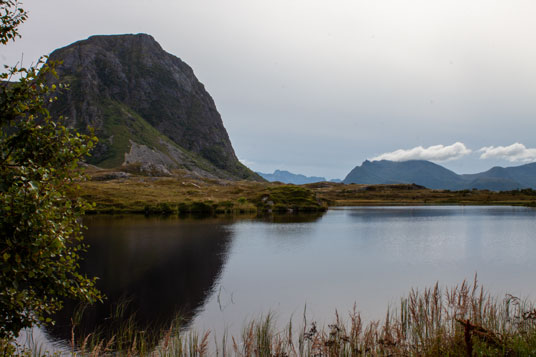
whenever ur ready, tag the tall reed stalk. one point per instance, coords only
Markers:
(462, 320)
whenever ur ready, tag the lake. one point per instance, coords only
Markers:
(220, 273)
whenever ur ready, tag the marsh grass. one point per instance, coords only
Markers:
(462, 320)
(182, 194)
(337, 194)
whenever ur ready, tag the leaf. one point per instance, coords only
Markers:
(38, 216)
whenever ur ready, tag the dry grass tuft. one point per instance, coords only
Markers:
(459, 321)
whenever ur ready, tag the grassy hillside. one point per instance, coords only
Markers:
(184, 193)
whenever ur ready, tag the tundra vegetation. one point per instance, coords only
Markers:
(183, 193)
(459, 321)
(124, 191)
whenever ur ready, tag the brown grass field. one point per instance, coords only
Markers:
(184, 193)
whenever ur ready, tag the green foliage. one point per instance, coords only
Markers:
(297, 198)
(216, 155)
(201, 207)
(11, 16)
(39, 220)
(162, 208)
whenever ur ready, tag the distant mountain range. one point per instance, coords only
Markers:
(289, 177)
(430, 175)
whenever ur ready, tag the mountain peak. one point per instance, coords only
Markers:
(420, 172)
(431, 175)
(146, 106)
(134, 36)
(289, 177)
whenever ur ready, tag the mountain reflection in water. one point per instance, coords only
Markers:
(220, 273)
(161, 267)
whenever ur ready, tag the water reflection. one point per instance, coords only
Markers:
(292, 218)
(370, 256)
(410, 212)
(220, 273)
(161, 266)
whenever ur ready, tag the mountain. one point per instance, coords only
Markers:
(146, 106)
(420, 172)
(289, 177)
(513, 177)
(428, 174)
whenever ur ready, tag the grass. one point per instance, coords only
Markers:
(337, 194)
(459, 321)
(183, 193)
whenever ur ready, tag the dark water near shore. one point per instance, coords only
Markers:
(219, 273)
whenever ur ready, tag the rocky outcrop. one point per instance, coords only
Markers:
(144, 105)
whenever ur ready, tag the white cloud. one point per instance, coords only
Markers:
(432, 153)
(514, 152)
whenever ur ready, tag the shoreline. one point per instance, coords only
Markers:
(186, 195)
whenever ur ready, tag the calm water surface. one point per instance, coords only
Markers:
(219, 273)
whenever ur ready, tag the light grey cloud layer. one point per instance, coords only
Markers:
(432, 153)
(514, 153)
(316, 87)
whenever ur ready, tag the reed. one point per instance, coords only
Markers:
(462, 320)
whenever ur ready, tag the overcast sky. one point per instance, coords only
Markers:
(317, 87)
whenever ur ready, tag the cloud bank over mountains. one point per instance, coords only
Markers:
(431, 153)
(516, 152)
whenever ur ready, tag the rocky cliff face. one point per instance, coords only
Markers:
(145, 105)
